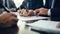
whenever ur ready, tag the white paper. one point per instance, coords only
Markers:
(32, 18)
(44, 25)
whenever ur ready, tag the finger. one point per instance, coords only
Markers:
(30, 12)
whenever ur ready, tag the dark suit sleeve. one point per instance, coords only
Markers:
(2, 6)
(37, 4)
(12, 4)
(48, 4)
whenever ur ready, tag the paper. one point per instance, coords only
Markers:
(44, 25)
(32, 18)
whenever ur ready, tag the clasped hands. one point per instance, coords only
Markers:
(40, 11)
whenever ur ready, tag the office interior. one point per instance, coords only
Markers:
(16, 18)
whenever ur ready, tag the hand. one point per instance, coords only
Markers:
(41, 11)
(8, 20)
(30, 12)
(21, 11)
(58, 25)
(36, 12)
(26, 13)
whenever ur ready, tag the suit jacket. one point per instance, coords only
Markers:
(11, 5)
(57, 4)
(35, 4)
(1, 6)
(49, 3)
(55, 11)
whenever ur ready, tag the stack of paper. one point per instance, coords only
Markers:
(44, 25)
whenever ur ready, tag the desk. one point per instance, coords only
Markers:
(17, 30)
(21, 24)
(20, 29)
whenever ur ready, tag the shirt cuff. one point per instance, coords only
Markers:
(49, 13)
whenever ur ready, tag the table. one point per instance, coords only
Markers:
(22, 22)
(20, 29)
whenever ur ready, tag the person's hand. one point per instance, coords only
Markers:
(58, 25)
(26, 13)
(41, 11)
(8, 20)
(20, 11)
(30, 13)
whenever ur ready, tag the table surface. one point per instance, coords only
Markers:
(21, 28)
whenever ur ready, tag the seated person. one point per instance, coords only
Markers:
(42, 10)
(31, 5)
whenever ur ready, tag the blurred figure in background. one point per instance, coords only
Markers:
(32, 4)
(40, 9)
(36, 7)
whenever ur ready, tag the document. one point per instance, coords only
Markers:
(32, 18)
(45, 25)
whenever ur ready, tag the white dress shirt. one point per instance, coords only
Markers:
(44, 2)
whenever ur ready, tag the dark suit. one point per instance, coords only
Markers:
(1, 6)
(35, 4)
(11, 5)
(55, 11)
(48, 4)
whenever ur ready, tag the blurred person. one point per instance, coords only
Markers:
(50, 4)
(54, 7)
(31, 5)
